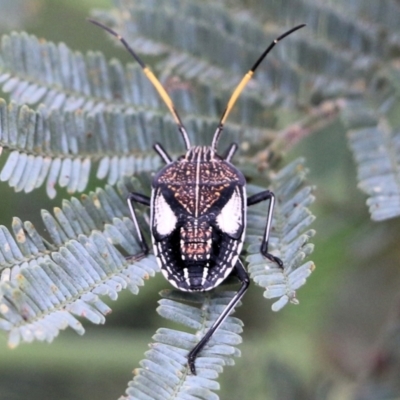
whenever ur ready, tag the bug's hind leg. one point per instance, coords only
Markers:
(241, 273)
(257, 198)
(142, 199)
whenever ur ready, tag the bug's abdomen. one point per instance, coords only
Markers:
(185, 260)
(198, 263)
(195, 241)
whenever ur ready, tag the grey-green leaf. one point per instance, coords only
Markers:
(289, 236)
(165, 373)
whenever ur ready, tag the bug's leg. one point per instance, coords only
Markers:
(142, 199)
(257, 198)
(162, 153)
(241, 273)
(230, 152)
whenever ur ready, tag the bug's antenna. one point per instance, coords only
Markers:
(152, 78)
(236, 93)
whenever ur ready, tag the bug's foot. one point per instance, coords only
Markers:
(275, 259)
(272, 258)
(264, 252)
(136, 257)
(191, 360)
(144, 253)
(145, 248)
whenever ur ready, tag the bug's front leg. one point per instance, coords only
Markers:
(142, 199)
(243, 276)
(255, 199)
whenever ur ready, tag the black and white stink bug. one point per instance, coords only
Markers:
(198, 209)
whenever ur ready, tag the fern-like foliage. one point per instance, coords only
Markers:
(369, 110)
(43, 284)
(34, 70)
(334, 21)
(374, 137)
(59, 147)
(67, 111)
(91, 111)
(222, 62)
(289, 238)
(307, 68)
(165, 373)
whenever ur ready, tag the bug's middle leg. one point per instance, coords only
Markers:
(255, 199)
(142, 199)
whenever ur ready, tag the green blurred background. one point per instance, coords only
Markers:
(328, 339)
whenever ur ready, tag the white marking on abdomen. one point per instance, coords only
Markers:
(205, 274)
(186, 275)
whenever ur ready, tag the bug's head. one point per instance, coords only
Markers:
(167, 100)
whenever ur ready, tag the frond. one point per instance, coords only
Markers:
(98, 111)
(374, 138)
(362, 22)
(213, 71)
(165, 373)
(69, 81)
(44, 284)
(33, 71)
(302, 68)
(191, 27)
(289, 236)
(59, 147)
(340, 24)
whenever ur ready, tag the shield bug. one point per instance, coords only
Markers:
(198, 208)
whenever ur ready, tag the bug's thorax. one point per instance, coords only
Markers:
(197, 180)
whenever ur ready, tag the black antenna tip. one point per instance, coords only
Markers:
(121, 39)
(273, 44)
(106, 28)
(299, 26)
(289, 32)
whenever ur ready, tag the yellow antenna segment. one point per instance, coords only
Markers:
(236, 93)
(162, 92)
